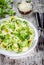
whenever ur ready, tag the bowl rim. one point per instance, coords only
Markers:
(21, 55)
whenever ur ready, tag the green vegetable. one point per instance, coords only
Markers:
(12, 26)
(3, 27)
(2, 37)
(28, 1)
(23, 35)
(11, 12)
(23, 44)
(6, 8)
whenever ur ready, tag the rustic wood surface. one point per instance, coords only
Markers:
(38, 54)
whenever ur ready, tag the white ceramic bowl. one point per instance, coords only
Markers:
(24, 54)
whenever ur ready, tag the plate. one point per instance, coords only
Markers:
(24, 54)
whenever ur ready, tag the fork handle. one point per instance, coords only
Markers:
(37, 18)
(43, 20)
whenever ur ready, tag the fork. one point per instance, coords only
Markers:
(40, 27)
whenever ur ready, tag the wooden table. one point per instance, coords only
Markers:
(37, 57)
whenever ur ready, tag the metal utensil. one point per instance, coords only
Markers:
(40, 26)
(39, 22)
